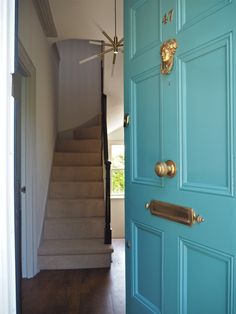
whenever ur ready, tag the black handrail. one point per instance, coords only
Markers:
(107, 166)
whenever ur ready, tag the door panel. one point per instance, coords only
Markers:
(205, 111)
(147, 287)
(146, 111)
(214, 267)
(142, 39)
(191, 12)
(187, 116)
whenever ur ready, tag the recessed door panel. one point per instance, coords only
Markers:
(206, 128)
(206, 279)
(147, 136)
(148, 267)
(142, 38)
(191, 11)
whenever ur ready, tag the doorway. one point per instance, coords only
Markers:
(25, 160)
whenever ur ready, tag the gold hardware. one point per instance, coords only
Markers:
(168, 17)
(147, 205)
(171, 14)
(167, 51)
(180, 214)
(126, 120)
(128, 244)
(198, 219)
(165, 169)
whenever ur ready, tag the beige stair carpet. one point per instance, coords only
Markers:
(73, 235)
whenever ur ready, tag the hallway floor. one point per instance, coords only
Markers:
(86, 291)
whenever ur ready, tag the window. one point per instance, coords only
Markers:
(117, 170)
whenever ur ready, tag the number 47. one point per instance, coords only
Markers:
(168, 17)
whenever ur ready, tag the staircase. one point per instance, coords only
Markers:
(73, 235)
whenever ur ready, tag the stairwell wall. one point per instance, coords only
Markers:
(79, 84)
(46, 64)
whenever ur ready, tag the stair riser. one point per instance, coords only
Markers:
(73, 159)
(88, 208)
(76, 190)
(88, 133)
(85, 146)
(74, 261)
(73, 230)
(76, 174)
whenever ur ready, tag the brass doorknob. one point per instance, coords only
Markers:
(165, 169)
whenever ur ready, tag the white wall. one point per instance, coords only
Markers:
(79, 84)
(117, 135)
(117, 204)
(117, 218)
(43, 58)
(113, 88)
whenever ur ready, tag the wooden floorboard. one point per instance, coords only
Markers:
(86, 291)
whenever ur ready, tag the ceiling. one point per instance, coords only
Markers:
(78, 18)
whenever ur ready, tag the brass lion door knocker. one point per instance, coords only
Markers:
(167, 51)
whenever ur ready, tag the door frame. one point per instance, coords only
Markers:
(7, 239)
(28, 242)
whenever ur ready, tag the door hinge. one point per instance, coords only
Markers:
(23, 189)
(126, 120)
(128, 244)
(13, 84)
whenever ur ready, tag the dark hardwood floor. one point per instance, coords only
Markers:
(87, 291)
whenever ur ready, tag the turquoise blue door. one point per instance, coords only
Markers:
(187, 116)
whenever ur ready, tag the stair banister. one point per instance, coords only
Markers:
(107, 166)
(107, 163)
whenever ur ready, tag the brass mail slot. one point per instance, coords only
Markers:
(180, 214)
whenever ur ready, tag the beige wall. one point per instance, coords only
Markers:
(43, 58)
(79, 84)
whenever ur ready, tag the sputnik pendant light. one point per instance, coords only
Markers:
(114, 45)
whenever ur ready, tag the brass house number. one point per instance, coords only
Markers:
(168, 17)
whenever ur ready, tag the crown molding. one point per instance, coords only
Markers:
(44, 12)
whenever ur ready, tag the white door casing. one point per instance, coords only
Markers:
(28, 157)
(7, 235)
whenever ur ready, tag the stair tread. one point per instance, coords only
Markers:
(78, 167)
(88, 128)
(88, 132)
(73, 219)
(93, 181)
(76, 208)
(89, 183)
(72, 153)
(64, 159)
(77, 153)
(78, 145)
(98, 126)
(74, 247)
(78, 140)
(75, 181)
(80, 199)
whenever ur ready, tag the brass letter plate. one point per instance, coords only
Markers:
(180, 214)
